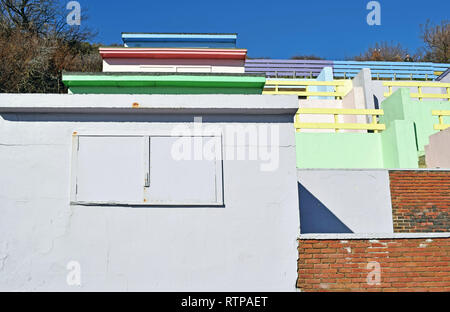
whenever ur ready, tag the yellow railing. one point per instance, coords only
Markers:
(375, 126)
(340, 87)
(440, 114)
(419, 85)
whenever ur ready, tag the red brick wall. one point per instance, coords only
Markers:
(405, 264)
(420, 201)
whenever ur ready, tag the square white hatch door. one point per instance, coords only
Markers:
(147, 170)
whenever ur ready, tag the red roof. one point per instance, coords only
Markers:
(173, 53)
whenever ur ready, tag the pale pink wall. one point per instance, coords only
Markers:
(437, 153)
(319, 118)
(354, 99)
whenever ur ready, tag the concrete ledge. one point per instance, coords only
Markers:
(155, 104)
(371, 169)
(374, 236)
(422, 169)
(299, 170)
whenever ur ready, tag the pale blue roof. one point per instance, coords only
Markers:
(180, 40)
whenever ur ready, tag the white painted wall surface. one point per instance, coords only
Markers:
(247, 245)
(359, 199)
(446, 79)
(173, 65)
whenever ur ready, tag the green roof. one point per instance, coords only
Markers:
(161, 83)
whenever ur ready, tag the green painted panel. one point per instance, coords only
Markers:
(399, 106)
(393, 148)
(399, 145)
(164, 83)
(339, 150)
(139, 78)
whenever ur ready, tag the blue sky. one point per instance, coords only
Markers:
(333, 29)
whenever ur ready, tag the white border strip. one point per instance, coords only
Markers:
(374, 236)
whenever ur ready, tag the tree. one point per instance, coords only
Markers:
(46, 18)
(437, 41)
(37, 45)
(306, 57)
(384, 51)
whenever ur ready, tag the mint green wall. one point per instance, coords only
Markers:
(409, 124)
(339, 150)
(398, 143)
(400, 106)
(393, 148)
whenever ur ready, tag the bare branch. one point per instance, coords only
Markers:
(437, 41)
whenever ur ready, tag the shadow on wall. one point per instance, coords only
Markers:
(375, 102)
(315, 217)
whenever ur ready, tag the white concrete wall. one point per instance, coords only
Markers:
(374, 90)
(446, 79)
(249, 244)
(345, 201)
(363, 80)
(382, 89)
(173, 65)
